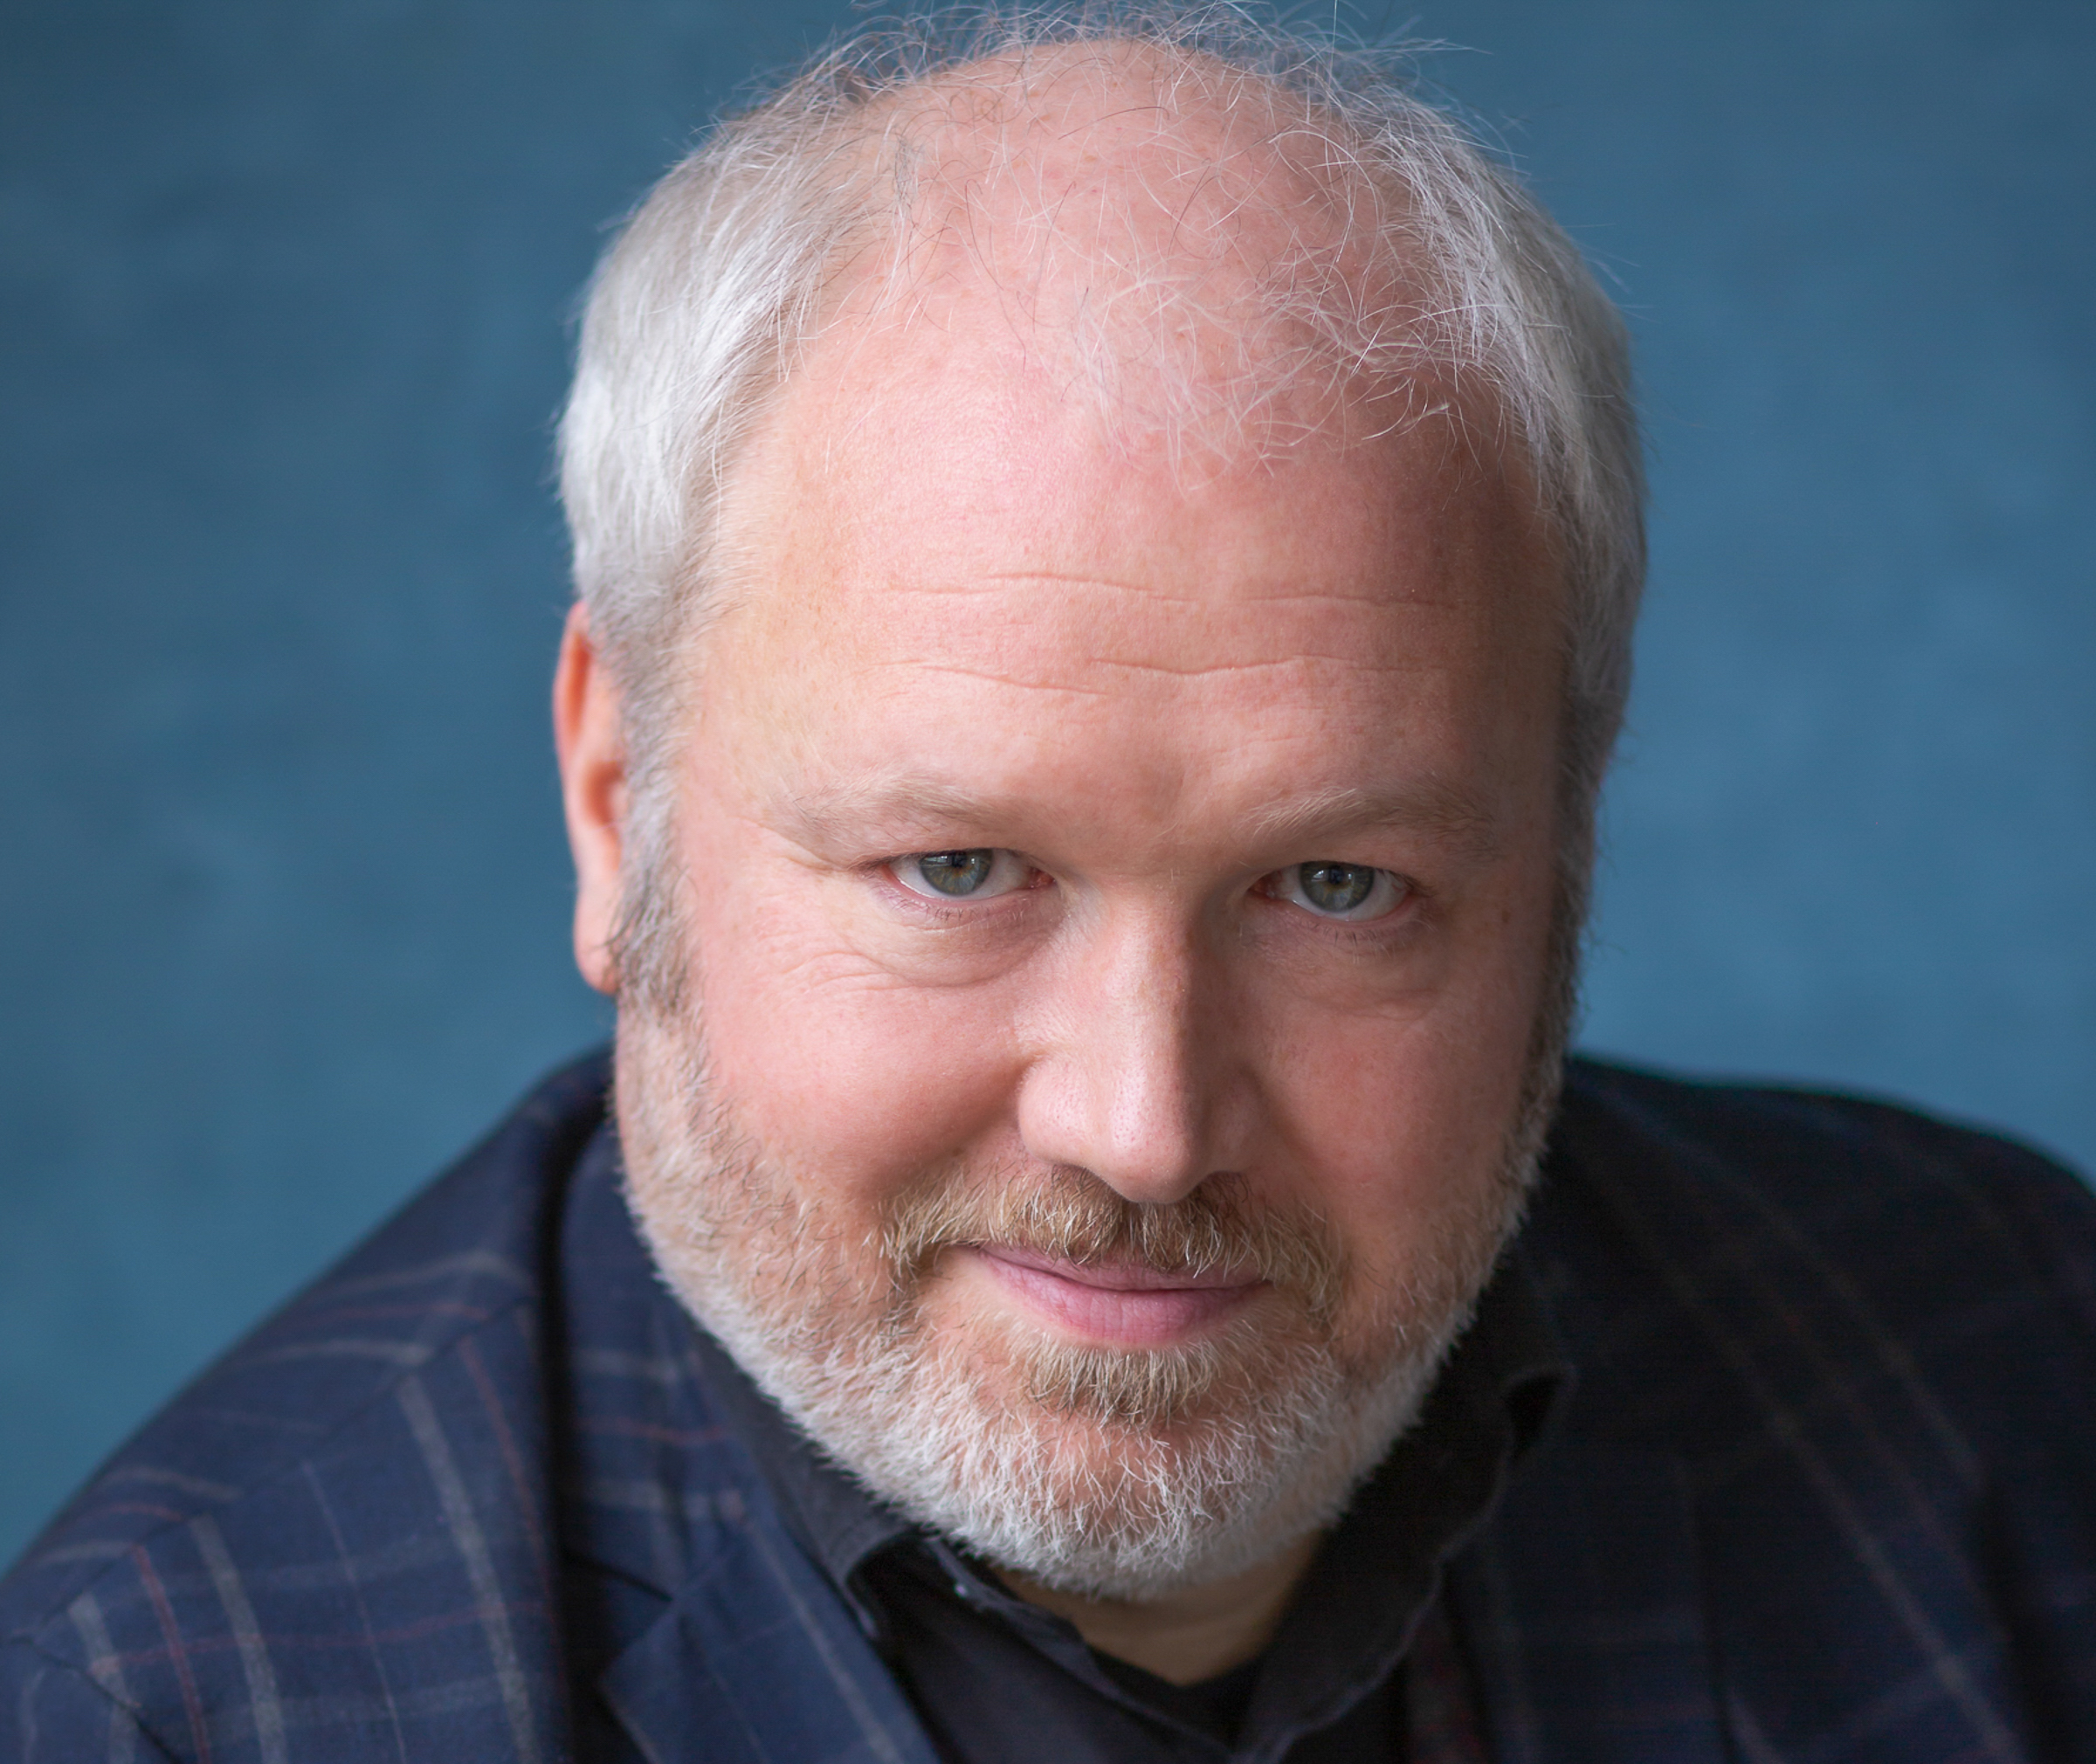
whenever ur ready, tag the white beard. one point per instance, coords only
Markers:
(1109, 1473)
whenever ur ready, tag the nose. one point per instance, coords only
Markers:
(1131, 1084)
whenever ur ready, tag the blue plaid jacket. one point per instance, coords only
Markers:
(1826, 1489)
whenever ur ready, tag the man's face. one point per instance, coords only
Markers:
(1116, 903)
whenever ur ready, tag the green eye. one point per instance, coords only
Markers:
(1340, 891)
(956, 872)
(1337, 888)
(981, 873)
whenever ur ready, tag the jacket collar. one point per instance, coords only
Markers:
(1579, 1598)
(721, 1639)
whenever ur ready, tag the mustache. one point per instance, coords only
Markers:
(1068, 1214)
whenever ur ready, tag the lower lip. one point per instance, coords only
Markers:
(1085, 1302)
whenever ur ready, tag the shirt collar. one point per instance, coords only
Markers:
(659, 1417)
(1354, 1616)
(1368, 1591)
(839, 1525)
(649, 1390)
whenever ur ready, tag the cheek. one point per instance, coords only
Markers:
(1400, 1122)
(844, 1073)
(1396, 1138)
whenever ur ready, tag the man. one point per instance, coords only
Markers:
(1107, 559)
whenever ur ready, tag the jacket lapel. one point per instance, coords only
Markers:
(1583, 1607)
(757, 1661)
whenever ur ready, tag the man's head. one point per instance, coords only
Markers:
(1106, 569)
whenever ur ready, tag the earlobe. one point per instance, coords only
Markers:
(589, 740)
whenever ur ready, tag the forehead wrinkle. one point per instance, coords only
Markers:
(916, 668)
(1135, 616)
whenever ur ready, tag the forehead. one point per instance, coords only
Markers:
(946, 455)
(1054, 503)
(950, 566)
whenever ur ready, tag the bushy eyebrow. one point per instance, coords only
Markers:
(842, 814)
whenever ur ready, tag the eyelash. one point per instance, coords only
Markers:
(1367, 937)
(1374, 935)
(1289, 886)
(1355, 933)
(956, 910)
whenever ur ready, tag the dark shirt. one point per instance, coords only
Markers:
(997, 1680)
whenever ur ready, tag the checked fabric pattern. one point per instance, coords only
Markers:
(1826, 1489)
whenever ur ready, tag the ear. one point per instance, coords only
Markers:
(589, 739)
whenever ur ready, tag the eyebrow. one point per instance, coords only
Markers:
(1449, 814)
(843, 813)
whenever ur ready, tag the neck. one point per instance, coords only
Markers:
(1185, 1637)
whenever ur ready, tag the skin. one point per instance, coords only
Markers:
(975, 616)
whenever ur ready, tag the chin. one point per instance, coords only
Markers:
(1107, 1470)
(1104, 1471)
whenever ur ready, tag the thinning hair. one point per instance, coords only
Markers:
(1439, 268)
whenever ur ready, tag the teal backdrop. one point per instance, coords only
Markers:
(284, 293)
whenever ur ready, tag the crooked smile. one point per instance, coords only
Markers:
(1123, 1304)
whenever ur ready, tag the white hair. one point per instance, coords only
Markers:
(723, 275)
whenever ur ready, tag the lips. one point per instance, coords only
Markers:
(1124, 1303)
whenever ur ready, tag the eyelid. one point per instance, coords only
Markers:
(1009, 872)
(1394, 892)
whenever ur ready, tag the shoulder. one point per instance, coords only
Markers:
(1832, 1437)
(1864, 1230)
(364, 1440)
(1721, 1243)
(1811, 1147)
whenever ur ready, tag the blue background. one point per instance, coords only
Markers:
(282, 325)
